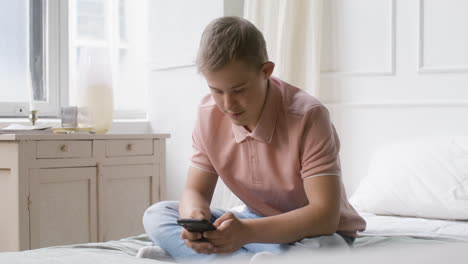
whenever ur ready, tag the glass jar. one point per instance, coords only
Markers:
(94, 89)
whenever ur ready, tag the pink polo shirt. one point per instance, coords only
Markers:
(293, 141)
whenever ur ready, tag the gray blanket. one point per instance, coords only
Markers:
(115, 252)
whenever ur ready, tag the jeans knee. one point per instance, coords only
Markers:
(158, 214)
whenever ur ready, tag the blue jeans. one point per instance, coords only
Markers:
(160, 222)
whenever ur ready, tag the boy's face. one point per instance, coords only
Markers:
(240, 91)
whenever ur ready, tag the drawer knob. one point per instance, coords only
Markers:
(129, 147)
(64, 148)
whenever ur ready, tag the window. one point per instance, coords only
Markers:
(26, 61)
(45, 53)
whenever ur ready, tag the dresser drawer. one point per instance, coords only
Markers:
(58, 149)
(138, 147)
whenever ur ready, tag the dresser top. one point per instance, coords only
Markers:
(78, 136)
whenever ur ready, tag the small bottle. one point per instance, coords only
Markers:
(95, 93)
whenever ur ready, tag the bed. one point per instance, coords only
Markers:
(414, 200)
(406, 238)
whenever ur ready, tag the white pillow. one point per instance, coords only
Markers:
(425, 178)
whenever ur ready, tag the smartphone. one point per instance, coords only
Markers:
(196, 225)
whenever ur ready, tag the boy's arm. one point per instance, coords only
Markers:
(197, 195)
(319, 217)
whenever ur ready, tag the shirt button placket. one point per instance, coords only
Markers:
(253, 161)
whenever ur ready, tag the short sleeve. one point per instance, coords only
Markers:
(200, 158)
(320, 145)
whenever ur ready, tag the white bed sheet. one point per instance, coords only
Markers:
(378, 225)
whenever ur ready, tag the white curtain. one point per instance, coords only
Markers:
(293, 32)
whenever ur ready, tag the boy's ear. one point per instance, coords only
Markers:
(267, 69)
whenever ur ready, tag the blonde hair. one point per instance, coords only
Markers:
(228, 39)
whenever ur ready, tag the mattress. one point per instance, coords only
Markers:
(385, 235)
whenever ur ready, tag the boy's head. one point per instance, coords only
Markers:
(233, 59)
(229, 39)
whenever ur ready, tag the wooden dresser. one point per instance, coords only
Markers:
(77, 188)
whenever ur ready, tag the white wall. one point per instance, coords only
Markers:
(392, 70)
(175, 86)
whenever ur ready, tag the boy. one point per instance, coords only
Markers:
(272, 144)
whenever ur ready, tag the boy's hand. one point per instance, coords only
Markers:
(190, 238)
(231, 234)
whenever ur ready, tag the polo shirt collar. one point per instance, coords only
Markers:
(263, 132)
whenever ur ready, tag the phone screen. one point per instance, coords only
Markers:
(196, 225)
